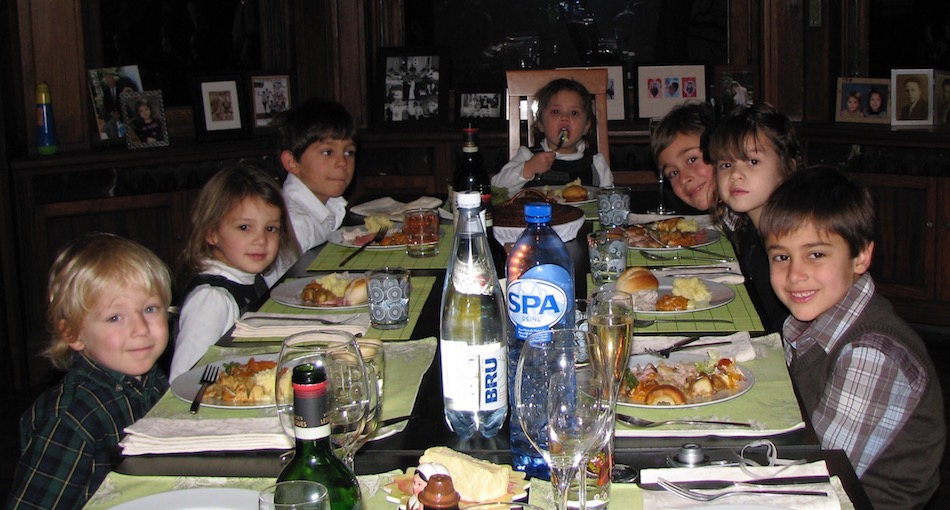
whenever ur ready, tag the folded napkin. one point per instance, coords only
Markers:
(267, 325)
(727, 272)
(165, 435)
(704, 220)
(655, 500)
(740, 349)
(392, 208)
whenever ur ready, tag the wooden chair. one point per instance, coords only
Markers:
(524, 84)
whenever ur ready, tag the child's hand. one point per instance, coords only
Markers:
(538, 164)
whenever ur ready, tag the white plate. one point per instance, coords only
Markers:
(591, 195)
(712, 237)
(196, 499)
(288, 293)
(186, 385)
(566, 231)
(685, 357)
(336, 237)
(721, 295)
(741, 507)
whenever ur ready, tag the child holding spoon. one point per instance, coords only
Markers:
(565, 117)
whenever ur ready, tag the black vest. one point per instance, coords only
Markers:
(563, 172)
(244, 294)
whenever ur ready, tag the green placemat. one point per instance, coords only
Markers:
(687, 257)
(622, 495)
(332, 254)
(770, 405)
(421, 287)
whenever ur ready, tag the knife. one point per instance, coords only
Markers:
(380, 234)
(698, 268)
(725, 484)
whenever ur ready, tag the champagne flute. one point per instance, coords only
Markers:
(564, 412)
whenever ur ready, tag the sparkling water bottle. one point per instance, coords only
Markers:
(472, 333)
(540, 297)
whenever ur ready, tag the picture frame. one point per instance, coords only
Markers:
(481, 106)
(269, 94)
(864, 91)
(734, 85)
(660, 88)
(912, 101)
(616, 90)
(411, 88)
(942, 93)
(106, 86)
(219, 107)
(144, 116)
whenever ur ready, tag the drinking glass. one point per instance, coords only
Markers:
(351, 392)
(294, 495)
(563, 409)
(374, 359)
(389, 290)
(421, 227)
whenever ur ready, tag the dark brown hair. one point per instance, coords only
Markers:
(692, 118)
(313, 121)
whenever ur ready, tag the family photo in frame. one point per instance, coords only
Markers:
(218, 108)
(863, 100)
(661, 88)
(480, 107)
(411, 92)
(735, 87)
(144, 117)
(912, 101)
(270, 95)
(106, 86)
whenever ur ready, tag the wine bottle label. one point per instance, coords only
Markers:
(540, 299)
(473, 376)
(310, 411)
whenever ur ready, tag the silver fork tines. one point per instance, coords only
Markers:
(208, 378)
(705, 497)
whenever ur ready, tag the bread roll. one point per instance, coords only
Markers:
(574, 193)
(356, 293)
(635, 279)
(666, 395)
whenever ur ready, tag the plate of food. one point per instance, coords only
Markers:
(331, 291)
(201, 498)
(572, 194)
(244, 381)
(670, 294)
(354, 237)
(682, 381)
(670, 234)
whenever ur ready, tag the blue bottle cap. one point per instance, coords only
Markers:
(537, 212)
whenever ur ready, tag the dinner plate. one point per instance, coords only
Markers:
(721, 295)
(685, 357)
(288, 293)
(741, 507)
(336, 237)
(186, 385)
(712, 237)
(211, 498)
(400, 489)
(591, 195)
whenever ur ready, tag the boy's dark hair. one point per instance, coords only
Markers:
(692, 118)
(826, 198)
(312, 121)
(727, 141)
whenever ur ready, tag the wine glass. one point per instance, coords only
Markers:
(564, 412)
(371, 350)
(350, 399)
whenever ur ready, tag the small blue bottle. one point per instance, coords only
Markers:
(540, 296)
(47, 142)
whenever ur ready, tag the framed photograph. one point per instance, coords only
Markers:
(912, 101)
(106, 86)
(735, 86)
(660, 88)
(480, 106)
(144, 116)
(271, 93)
(412, 89)
(219, 112)
(942, 86)
(863, 100)
(616, 87)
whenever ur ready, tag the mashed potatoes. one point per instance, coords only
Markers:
(374, 223)
(692, 289)
(334, 282)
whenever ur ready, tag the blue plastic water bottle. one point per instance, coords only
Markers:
(540, 296)
(47, 142)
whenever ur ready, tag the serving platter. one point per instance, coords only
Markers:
(288, 293)
(400, 490)
(210, 498)
(684, 357)
(186, 385)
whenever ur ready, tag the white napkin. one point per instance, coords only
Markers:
(265, 325)
(740, 349)
(655, 500)
(704, 220)
(165, 435)
(393, 208)
(727, 273)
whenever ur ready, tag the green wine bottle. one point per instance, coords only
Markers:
(313, 456)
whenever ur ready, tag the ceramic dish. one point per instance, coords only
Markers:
(721, 295)
(336, 237)
(186, 385)
(566, 231)
(712, 237)
(288, 293)
(554, 193)
(400, 490)
(684, 357)
(195, 499)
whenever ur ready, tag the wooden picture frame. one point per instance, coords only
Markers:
(106, 86)
(942, 95)
(863, 92)
(269, 94)
(144, 117)
(480, 106)
(411, 88)
(912, 101)
(616, 90)
(734, 85)
(660, 88)
(219, 107)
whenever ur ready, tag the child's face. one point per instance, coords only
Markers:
(565, 110)
(812, 271)
(691, 178)
(126, 331)
(745, 186)
(248, 237)
(145, 112)
(874, 101)
(853, 104)
(326, 167)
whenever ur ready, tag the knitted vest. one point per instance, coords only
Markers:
(563, 172)
(905, 474)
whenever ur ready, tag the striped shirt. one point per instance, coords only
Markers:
(69, 437)
(875, 385)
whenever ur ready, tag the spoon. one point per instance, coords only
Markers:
(655, 256)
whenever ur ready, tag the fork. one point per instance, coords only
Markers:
(634, 421)
(705, 497)
(208, 378)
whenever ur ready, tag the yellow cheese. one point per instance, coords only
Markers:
(474, 479)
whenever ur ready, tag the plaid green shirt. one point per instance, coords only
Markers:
(70, 436)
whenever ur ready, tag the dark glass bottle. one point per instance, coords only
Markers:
(313, 457)
(471, 175)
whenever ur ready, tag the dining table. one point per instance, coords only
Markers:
(413, 391)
